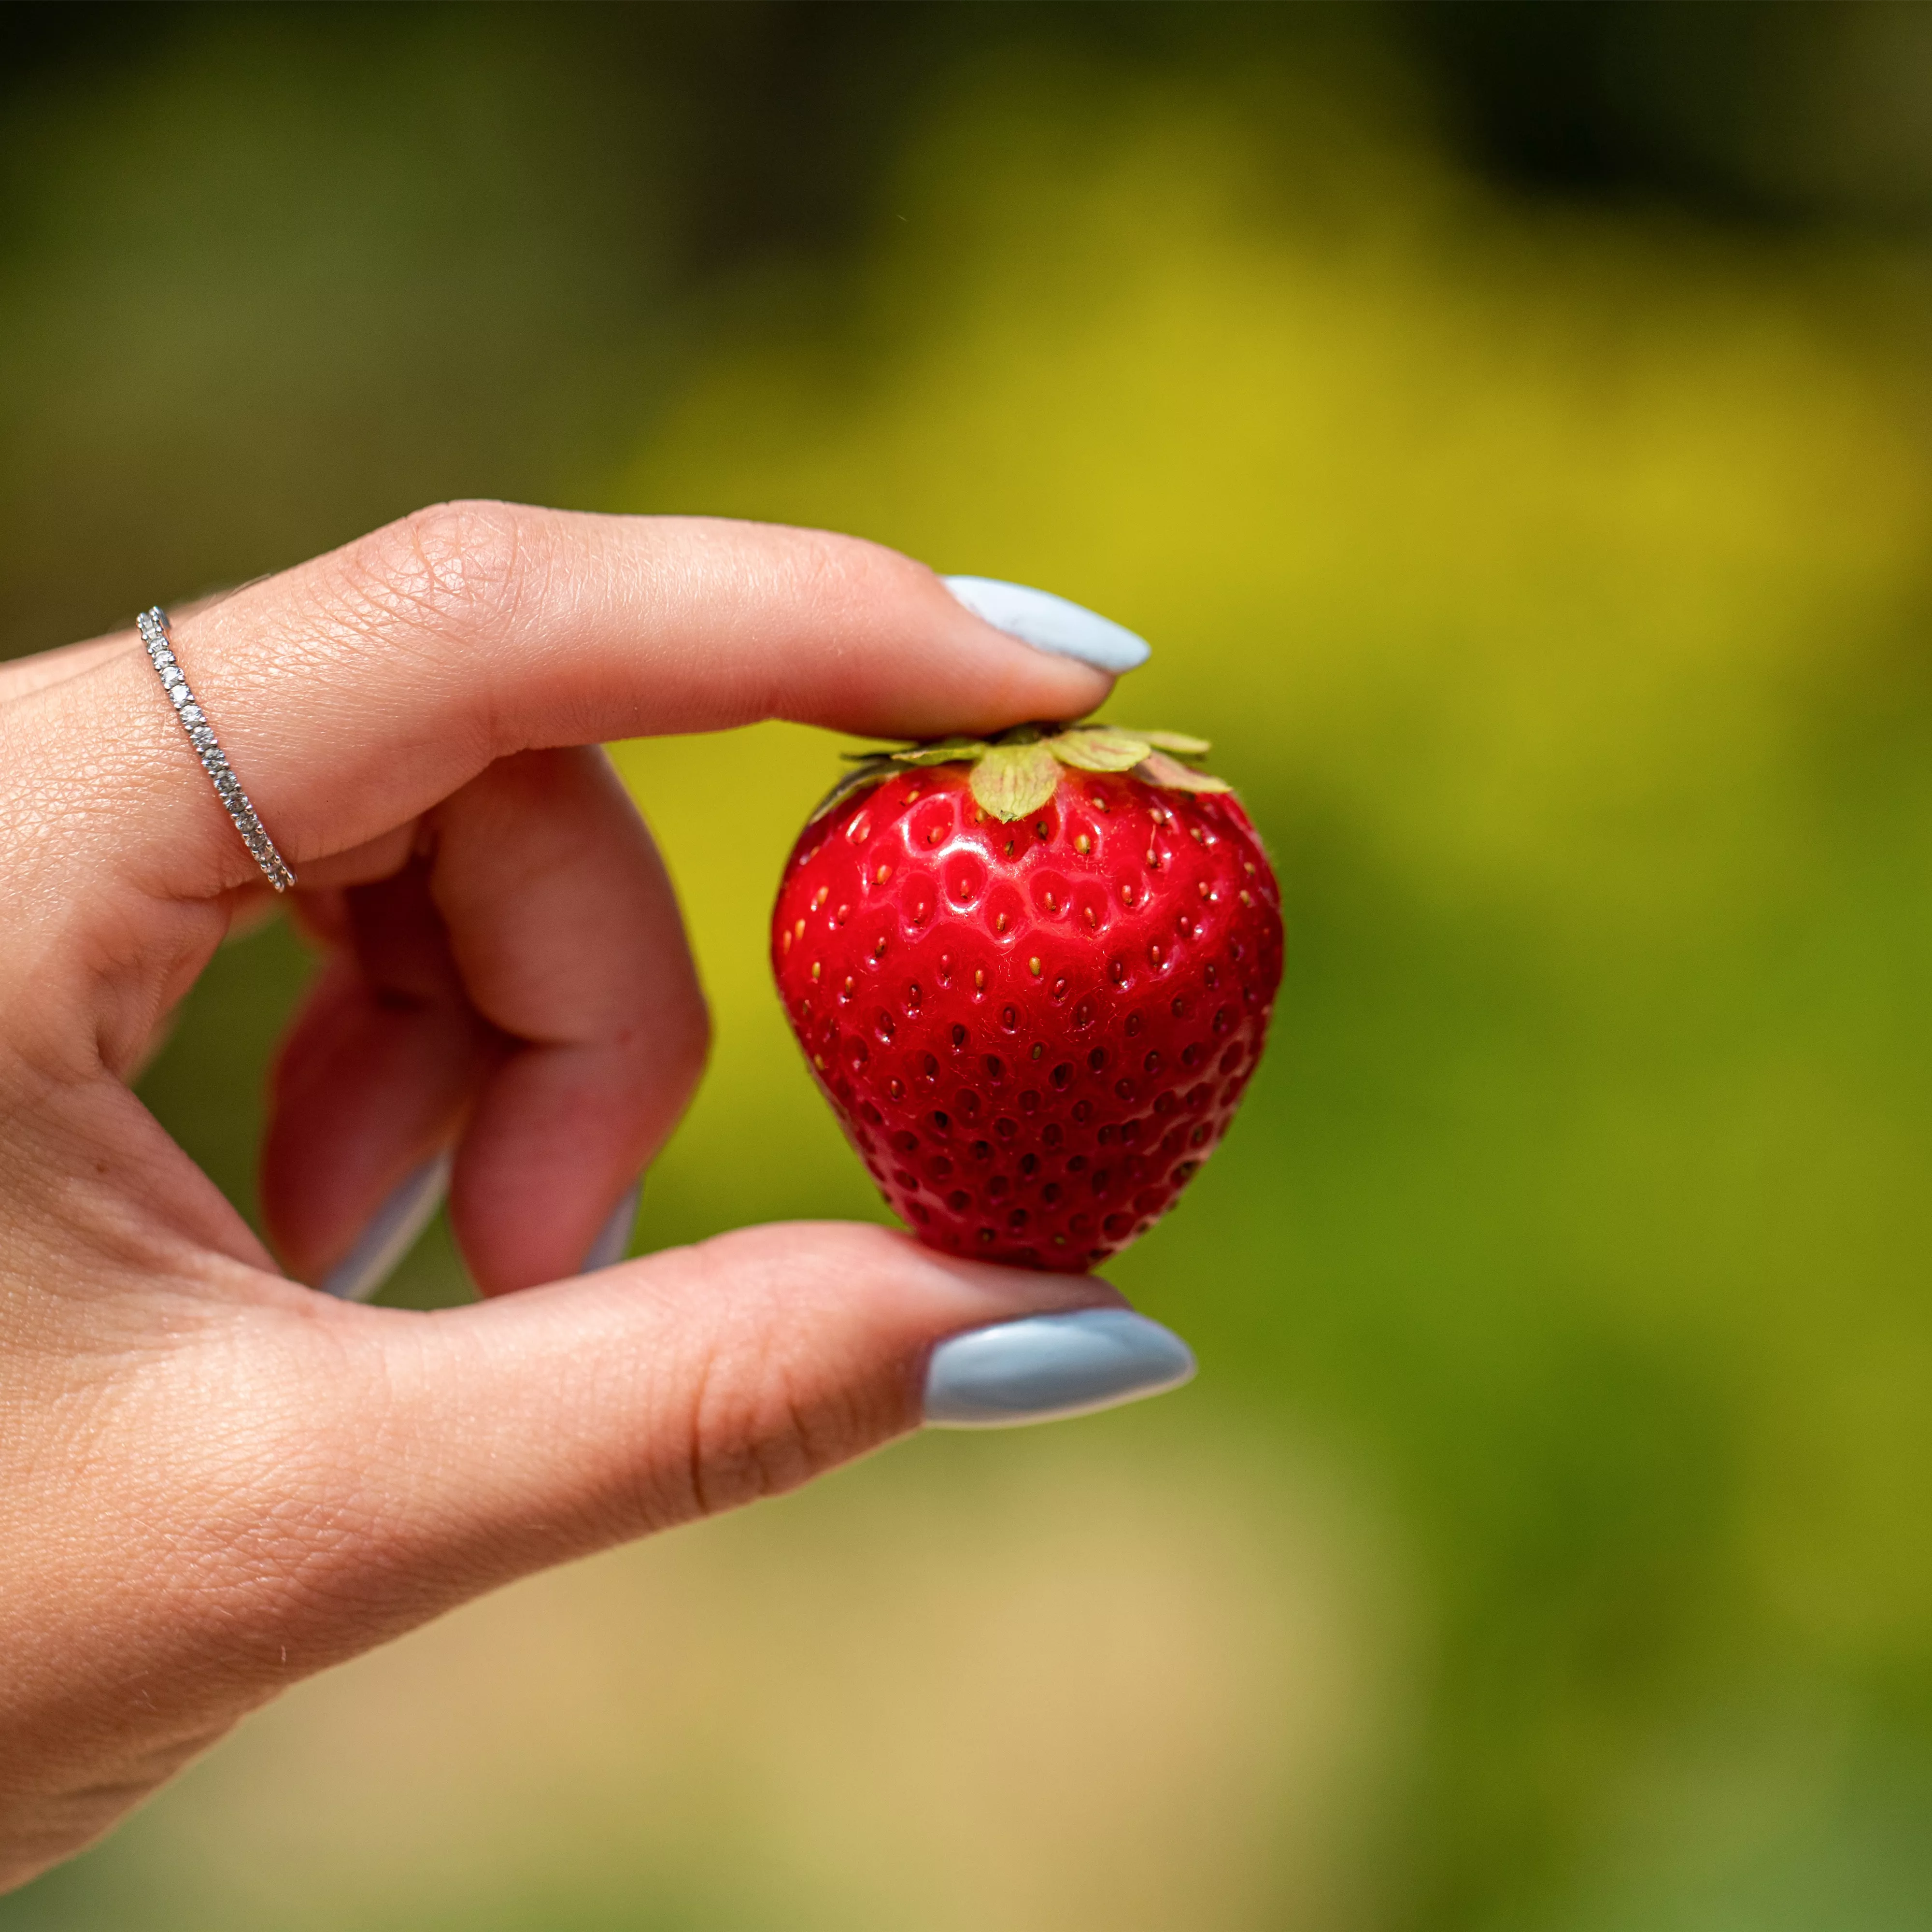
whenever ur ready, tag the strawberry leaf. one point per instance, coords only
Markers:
(1010, 781)
(1171, 741)
(1158, 769)
(857, 780)
(947, 751)
(1099, 748)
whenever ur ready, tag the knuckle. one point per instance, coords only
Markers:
(447, 568)
(691, 1050)
(757, 1426)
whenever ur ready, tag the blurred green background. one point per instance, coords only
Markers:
(1512, 426)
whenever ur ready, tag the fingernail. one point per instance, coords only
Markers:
(1051, 623)
(1049, 1365)
(391, 1234)
(611, 1245)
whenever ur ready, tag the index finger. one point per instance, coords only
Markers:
(352, 693)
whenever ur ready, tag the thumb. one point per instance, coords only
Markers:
(292, 1480)
(483, 1443)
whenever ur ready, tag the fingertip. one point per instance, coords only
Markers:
(391, 1234)
(613, 1238)
(1046, 1368)
(1054, 625)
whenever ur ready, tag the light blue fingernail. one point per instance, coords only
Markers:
(1049, 1365)
(391, 1234)
(1051, 623)
(611, 1243)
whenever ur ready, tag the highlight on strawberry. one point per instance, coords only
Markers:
(1032, 976)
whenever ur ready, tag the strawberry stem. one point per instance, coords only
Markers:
(1014, 774)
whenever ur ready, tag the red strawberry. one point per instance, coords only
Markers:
(1033, 978)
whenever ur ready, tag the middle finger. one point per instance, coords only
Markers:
(563, 936)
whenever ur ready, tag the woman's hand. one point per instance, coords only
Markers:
(214, 1480)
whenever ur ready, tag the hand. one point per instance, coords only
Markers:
(214, 1480)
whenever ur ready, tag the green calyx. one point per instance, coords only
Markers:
(1014, 774)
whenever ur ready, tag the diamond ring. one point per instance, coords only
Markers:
(153, 626)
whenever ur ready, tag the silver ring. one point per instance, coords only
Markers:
(153, 626)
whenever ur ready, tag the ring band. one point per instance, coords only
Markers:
(153, 626)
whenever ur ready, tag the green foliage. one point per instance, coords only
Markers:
(1533, 579)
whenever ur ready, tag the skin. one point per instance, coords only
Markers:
(214, 1481)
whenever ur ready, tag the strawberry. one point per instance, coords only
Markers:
(1033, 978)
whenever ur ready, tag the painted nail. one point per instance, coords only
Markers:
(1051, 623)
(609, 1247)
(391, 1234)
(1049, 1365)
